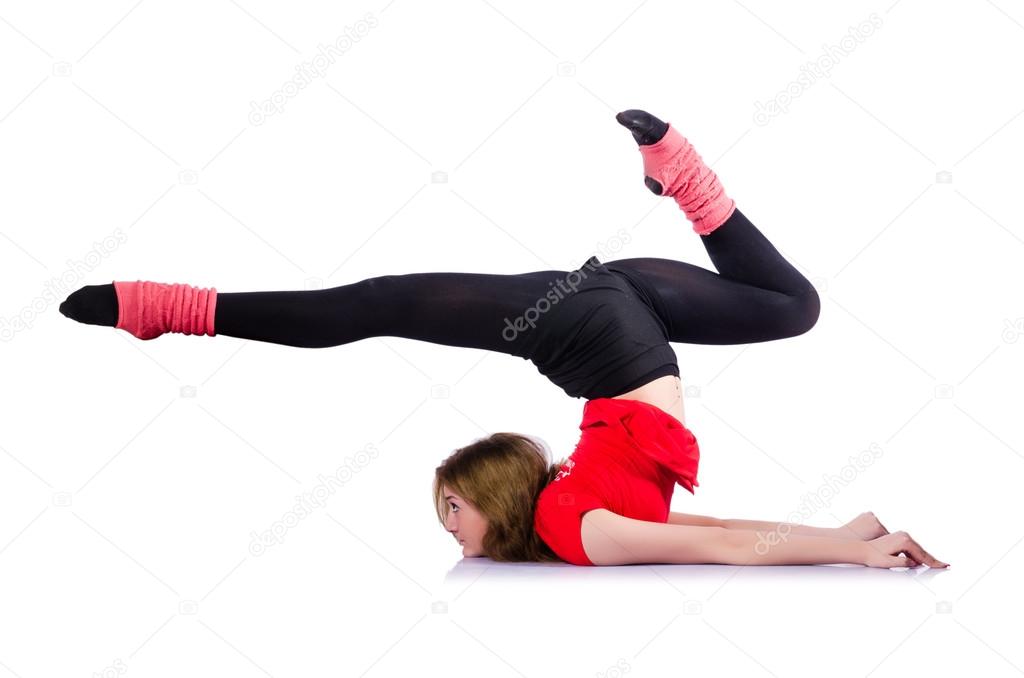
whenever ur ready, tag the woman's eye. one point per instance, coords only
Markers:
(454, 507)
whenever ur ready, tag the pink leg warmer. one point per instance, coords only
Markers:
(674, 163)
(149, 309)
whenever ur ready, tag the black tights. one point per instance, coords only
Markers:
(756, 296)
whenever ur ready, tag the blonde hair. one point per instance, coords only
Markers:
(501, 475)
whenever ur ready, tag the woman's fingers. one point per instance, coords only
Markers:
(903, 551)
(912, 561)
(914, 550)
(918, 554)
(903, 559)
(923, 556)
(898, 560)
(898, 549)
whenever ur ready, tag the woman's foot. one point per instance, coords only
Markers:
(672, 167)
(145, 309)
(93, 305)
(646, 130)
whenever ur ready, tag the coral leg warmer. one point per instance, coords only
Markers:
(149, 309)
(674, 163)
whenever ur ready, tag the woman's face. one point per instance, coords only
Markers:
(466, 524)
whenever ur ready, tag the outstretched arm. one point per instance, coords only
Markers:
(611, 539)
(864, 527)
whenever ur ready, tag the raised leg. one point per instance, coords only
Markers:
(471, 310)
(756, 295)
(454, 309)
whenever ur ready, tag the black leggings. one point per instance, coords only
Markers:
(755, 296)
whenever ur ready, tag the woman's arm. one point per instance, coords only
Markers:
(611, 539)
(864, 527)
(694, 519)
(763, 525)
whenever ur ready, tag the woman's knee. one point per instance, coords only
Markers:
(806, 308)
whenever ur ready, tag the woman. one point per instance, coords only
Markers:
(600, 332)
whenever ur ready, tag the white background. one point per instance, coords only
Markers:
(133, 475)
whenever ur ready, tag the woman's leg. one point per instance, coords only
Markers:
(756, 295)
(473, 310)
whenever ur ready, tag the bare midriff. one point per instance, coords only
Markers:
(665, 393)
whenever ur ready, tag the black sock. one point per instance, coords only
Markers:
(646, 130)
(93, 305)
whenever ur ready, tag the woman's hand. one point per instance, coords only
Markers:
(864, 527)
(898, 550)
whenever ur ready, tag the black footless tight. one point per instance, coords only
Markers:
(755, 296)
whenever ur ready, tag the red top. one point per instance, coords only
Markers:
(628, 460)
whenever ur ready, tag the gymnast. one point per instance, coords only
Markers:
(599, 332)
